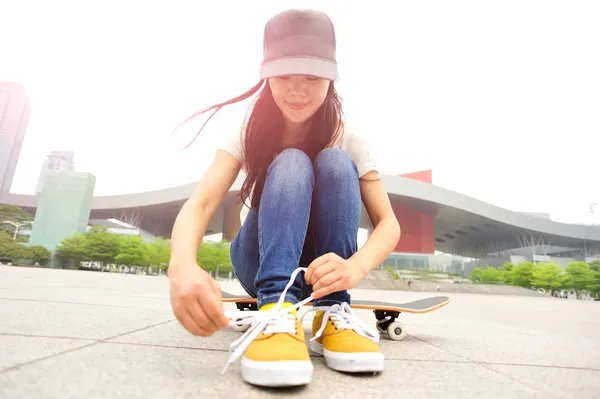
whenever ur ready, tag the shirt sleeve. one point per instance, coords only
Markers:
(361, 151)
(233, 145)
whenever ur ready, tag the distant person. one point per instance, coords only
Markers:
(307, 175)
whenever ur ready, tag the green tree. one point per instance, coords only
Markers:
(549, 276)
(595, 285)
(39, 253)
(475, 275)
(72, 250)
(132, 251)
(208, 256)
(506, 272)
(8, 246)
(159, 252)
(490, 275)
(15, 250)
(19, 251)
(14, 214)
(101, 246)
(580, 277)
(521, 274)
(223, 256)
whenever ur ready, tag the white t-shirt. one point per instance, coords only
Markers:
(355, 145)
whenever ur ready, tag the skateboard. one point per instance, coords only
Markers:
(386, 313)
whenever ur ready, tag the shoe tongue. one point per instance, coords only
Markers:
(339, 317)
(284, 323)
(269, 306)
(332, 316)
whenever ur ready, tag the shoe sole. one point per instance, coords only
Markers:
(283, 373)
(357, 362)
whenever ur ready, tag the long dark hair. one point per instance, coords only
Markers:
(264, 127)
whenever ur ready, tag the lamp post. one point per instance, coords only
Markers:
(16, 225)
(592, 206)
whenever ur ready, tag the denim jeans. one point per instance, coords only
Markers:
(307, 209)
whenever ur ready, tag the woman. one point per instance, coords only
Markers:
(307, 175)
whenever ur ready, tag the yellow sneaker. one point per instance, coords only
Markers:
(345, 343)
(276, 354)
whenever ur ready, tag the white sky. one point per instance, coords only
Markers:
(500, 99)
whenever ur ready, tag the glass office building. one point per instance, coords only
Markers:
(64, 207)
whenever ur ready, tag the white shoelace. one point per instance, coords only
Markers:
(280, 320)
(343, 317)
(276, 319)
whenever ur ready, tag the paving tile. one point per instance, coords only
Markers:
(74, 320)
(478, 346)
(173, 335)
(563, 382)
(131, 371)
(71, 286)
(495, 344)
(16, 350)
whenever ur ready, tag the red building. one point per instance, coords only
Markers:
(418, 235)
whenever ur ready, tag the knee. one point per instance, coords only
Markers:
(292, 165)
(335, 163)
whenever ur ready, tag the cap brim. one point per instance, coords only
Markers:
(316, 67)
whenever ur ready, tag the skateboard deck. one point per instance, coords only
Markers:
(386, 313)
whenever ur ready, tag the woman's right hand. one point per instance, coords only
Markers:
(196, 300)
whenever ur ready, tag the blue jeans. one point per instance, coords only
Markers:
(306, 210)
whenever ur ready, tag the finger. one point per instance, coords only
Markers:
(328, 289)
(315, 264)
(311, 268)
(213, 307)
(188, 322)
(326, 280)
(199, 315)
(322, 271)
(188, 299)
(215, 314)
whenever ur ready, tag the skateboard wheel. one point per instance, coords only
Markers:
(239, 327)
(396, 331)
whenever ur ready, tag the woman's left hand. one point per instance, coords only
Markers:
(330, 273)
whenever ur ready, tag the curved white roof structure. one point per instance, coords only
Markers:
(463, 225)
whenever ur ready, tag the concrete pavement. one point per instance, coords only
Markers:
(87, 334)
